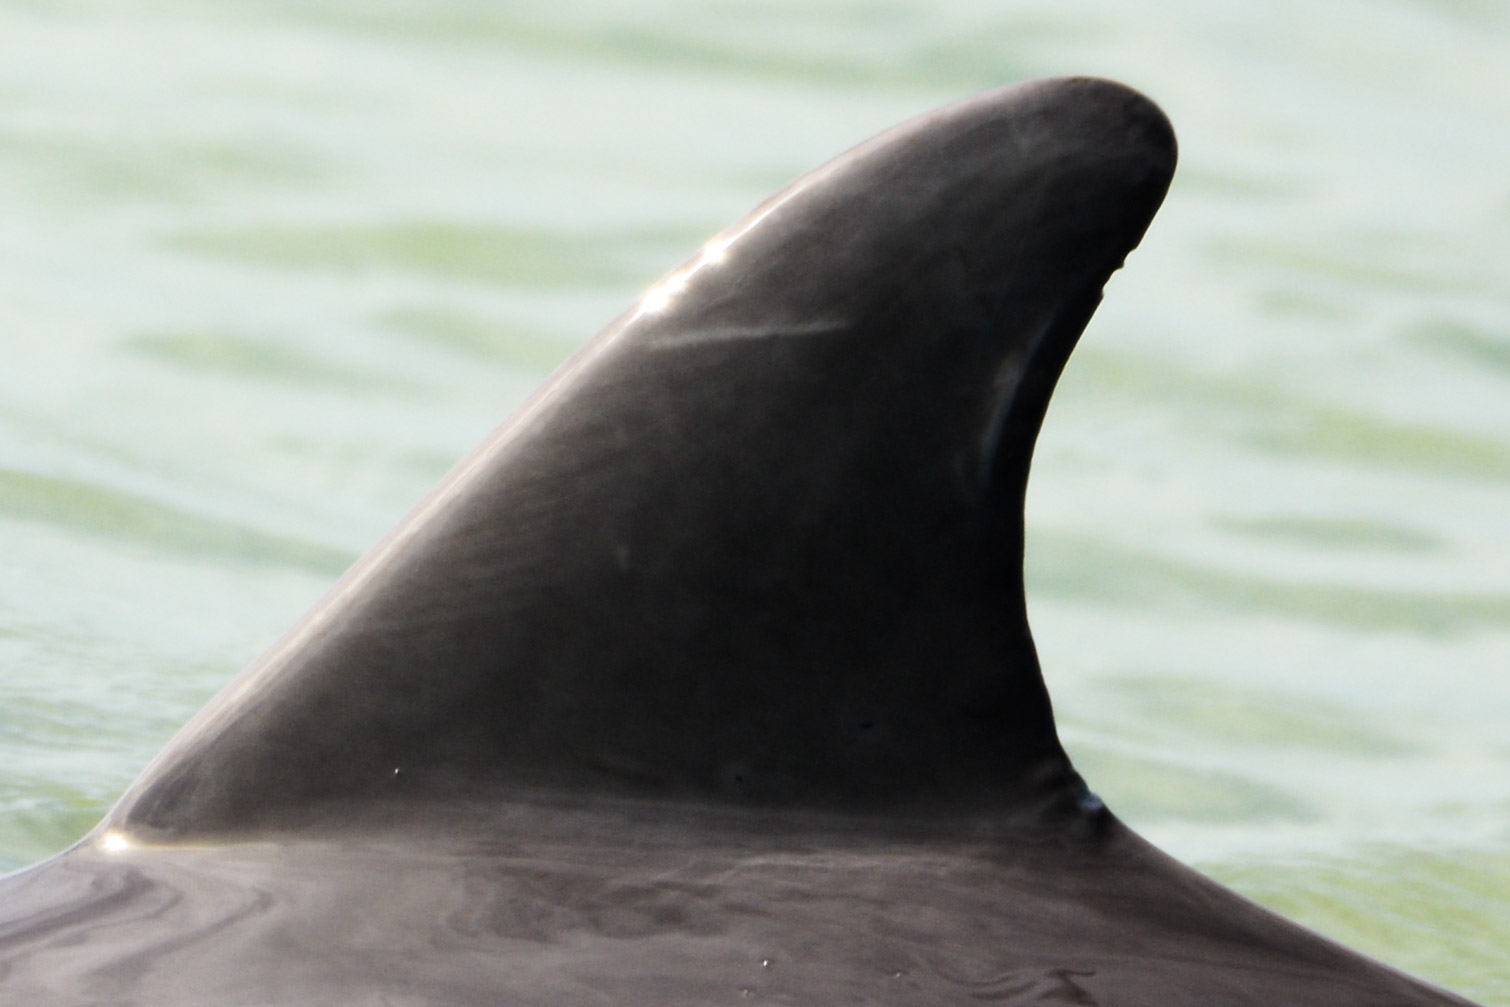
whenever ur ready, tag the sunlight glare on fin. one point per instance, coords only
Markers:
(661, 296)
(115, 842)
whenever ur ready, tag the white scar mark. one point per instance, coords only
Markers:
(735, 333)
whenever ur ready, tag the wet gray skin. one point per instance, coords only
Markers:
(708, 679)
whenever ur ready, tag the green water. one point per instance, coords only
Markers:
(268, 269)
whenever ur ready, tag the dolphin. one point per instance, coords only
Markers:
(708, 678)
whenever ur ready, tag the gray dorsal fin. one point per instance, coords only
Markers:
(760, 541)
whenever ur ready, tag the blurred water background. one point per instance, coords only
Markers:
(267, 269)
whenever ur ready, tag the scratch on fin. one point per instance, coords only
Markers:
(746, 333)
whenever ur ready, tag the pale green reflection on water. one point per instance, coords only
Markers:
(267, 270)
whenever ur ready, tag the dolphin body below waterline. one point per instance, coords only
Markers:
(708, 679)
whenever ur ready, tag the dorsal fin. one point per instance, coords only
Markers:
(761, 541)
